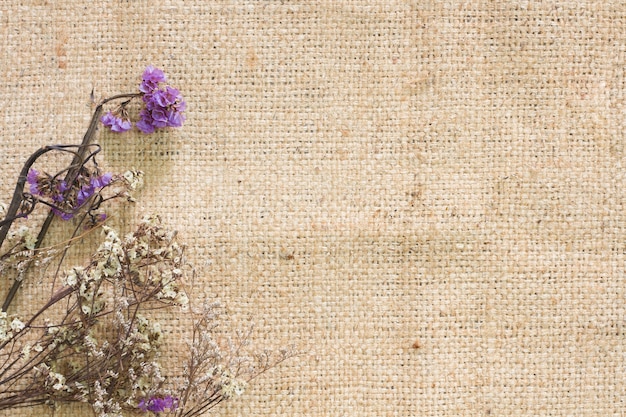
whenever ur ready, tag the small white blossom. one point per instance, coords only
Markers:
(134, 179)
(17, 325)
(50, 329)
(42, 368)
(3, 326)
(26, 352)
(71, 279)
(156, 329)
(168, 292)
(58, 381)
(231, 385)
(239, 387)
(182, 300)
(98, 406)
(30, 239)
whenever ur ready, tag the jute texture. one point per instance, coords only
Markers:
(425, 197)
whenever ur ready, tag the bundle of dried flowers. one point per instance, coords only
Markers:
(95, 339)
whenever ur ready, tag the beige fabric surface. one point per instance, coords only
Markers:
(426, 197)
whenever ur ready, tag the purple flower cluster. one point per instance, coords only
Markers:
(44, 186)
(159, 404)
(88, 189)
(65, 199)
(150, 79)
(164, 106)
(116, 123)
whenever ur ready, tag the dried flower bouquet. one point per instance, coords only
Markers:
(95, 340)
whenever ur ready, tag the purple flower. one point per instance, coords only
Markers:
(102, 181)
(33, 180)
(159, 119)
(84, 193)
(58, 194)
(51, 187)
(33, 176)
(163, 109)
(163, 106)
(158, 404)
(151, 78)
(167, 97)
(116, 124)
(62, 214)
(174, 118)
(62, 187)
(66, 199)
(145, 123)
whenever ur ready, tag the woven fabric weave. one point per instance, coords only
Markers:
(425, 197)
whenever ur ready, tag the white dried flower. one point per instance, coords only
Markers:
(3, 326)
(71, 278)
(111, 267)
(57, 380)
(182, 300)
(42, 369)
(98, 406)
(30, 238)
(239, 387)
(50, 330)
(156, 330)
(26, 352)
(134, 179)
(168, 292)
(81, 391)
(25, 235)
(17, 325)
(231, 385)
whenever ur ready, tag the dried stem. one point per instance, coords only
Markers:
(72, 173)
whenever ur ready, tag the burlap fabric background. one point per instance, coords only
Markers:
(426, 197)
